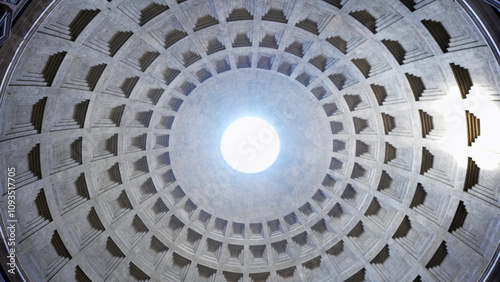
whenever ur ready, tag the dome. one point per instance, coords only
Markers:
(112, 115)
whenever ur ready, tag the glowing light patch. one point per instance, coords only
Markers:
(250, 145)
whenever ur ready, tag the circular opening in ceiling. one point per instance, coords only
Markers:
(250, 145)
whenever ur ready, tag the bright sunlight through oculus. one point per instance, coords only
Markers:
(250, 145)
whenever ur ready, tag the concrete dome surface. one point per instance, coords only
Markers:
(112, 114)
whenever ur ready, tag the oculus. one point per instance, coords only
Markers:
(250, 145)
